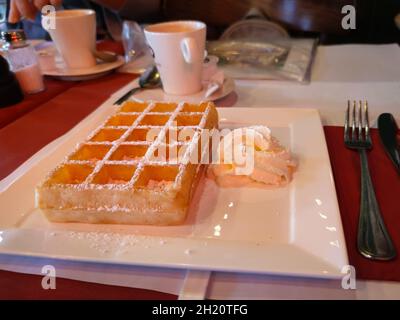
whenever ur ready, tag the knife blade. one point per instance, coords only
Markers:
(388, 131)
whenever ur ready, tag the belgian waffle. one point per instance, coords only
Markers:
(118, 175)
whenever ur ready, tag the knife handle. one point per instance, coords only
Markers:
(389, 137)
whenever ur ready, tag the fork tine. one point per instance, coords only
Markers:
(346, 122)
(366, 117)
(360, 121)
(353, 122)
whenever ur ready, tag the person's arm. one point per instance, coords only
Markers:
(129, 9)
(27, 9)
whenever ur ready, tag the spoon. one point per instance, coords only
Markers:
(148, 80)
(105, 56)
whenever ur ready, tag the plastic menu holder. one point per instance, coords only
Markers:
(280, 59)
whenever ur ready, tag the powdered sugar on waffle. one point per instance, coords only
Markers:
(138, 161)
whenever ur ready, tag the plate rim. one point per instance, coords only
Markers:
(229, 83)
(83, 72)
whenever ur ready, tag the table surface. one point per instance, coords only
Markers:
(53, 86)
(340, 73)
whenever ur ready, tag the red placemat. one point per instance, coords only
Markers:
(53, 88)
(346, 170)
(26, 286)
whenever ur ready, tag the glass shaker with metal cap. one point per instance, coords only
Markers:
(23, 60)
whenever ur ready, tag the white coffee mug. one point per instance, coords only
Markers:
(74, 35)
(178, 48)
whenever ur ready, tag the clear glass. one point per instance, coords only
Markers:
(25, 64)
(133, 41)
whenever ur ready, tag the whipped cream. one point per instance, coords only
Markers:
(252, 155)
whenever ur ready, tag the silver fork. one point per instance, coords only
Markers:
(373, 240)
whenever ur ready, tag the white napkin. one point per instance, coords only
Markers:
(215, 83)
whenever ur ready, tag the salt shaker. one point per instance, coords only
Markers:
(23, 61)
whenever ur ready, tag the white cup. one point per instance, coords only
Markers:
(178, 48)
(74, 35)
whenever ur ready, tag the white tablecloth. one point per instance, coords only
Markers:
(340, 73)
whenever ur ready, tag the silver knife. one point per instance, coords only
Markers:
(388, 131)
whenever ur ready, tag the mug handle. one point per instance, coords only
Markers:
(189, 50)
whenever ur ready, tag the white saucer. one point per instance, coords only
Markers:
(160, 95)
(97, 71)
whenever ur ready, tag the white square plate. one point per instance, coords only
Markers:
(294, 230)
